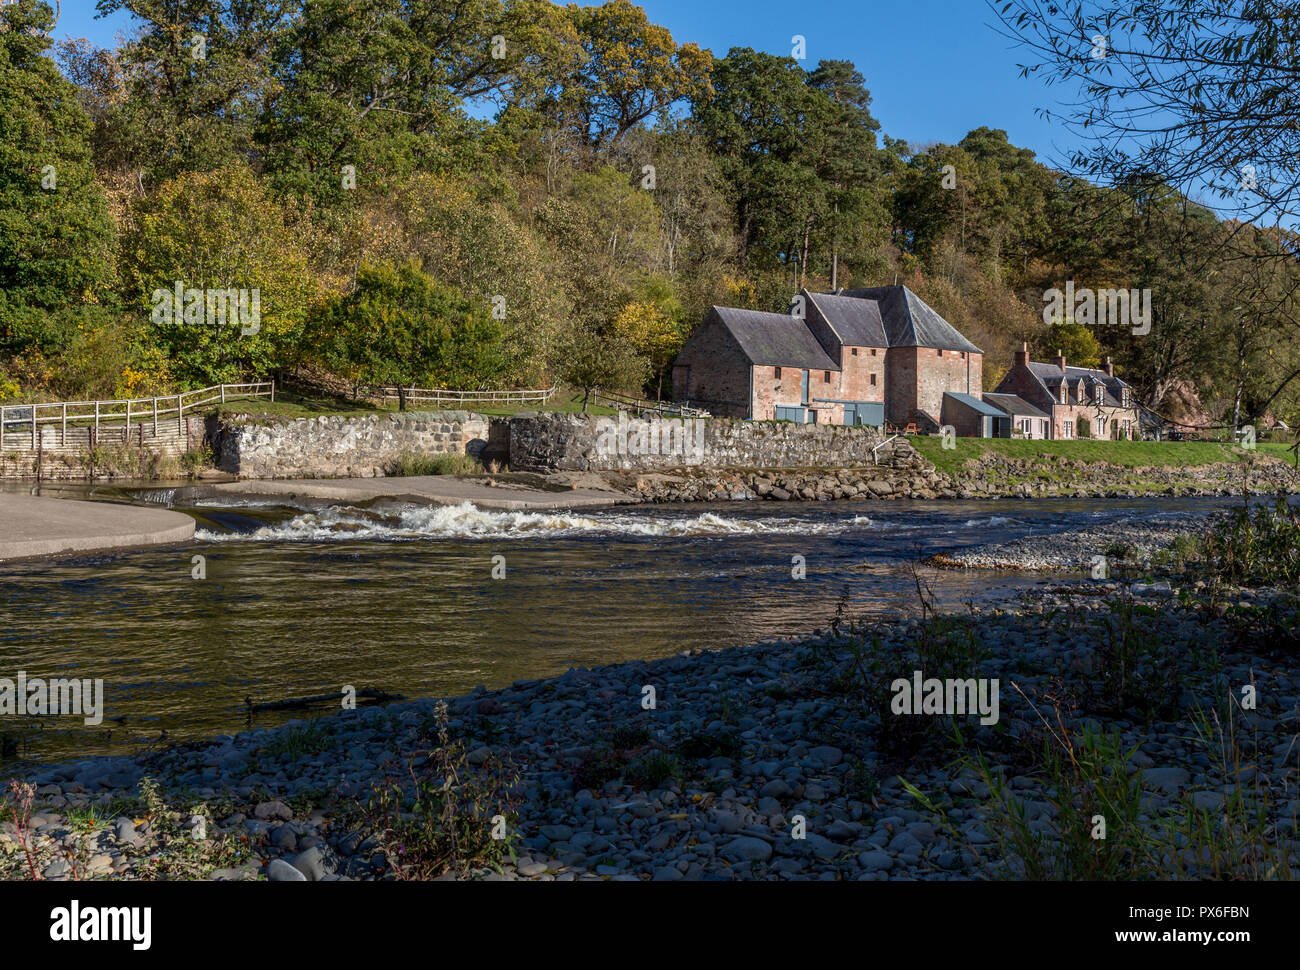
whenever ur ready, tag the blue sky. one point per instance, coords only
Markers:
(935, 68)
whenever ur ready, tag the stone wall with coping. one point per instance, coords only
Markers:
(358, 446)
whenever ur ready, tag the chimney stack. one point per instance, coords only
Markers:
(1022, 355)
(1060, 360)
(1108, 367)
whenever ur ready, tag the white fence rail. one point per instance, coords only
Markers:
(145, 412)
(426, 395)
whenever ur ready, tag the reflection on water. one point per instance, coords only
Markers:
(303, 601)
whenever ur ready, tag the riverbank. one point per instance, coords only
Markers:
(1130, 544)
(31, 526)
(745, 747)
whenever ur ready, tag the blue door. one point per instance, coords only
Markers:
(865, 412)
(804, 399)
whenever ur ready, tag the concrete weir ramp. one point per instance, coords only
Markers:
(49, 526)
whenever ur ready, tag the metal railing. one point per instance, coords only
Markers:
(438, 396)
(623, 402)
(119, 413)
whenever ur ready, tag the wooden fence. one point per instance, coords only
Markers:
(621, 402)
(425, 395)
(22, 425)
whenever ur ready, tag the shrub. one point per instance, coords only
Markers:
(439, 817)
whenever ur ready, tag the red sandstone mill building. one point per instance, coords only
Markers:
(882, 356)
(873, 356)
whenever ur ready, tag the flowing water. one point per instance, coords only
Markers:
(301, 601)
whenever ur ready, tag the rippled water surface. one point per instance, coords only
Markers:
(302, 601)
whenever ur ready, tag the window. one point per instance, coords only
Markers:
(1101, 427)
(778, 372)
(963, 355)
(873, 380)
(873, 351)
(855, 351)
(1067, 429)
(1063, 388)
(1098, 394)
(826, 377)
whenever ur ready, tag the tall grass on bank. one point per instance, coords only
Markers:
(1096, 823)
(445, 814)
(1252, 545)
(410, 463)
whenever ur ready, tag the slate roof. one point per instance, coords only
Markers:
(975, 404)
(1051, 376)
(775, 339)
(1014, 405)
(855, 321)
(910, 322)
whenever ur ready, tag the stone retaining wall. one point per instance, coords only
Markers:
(362, 446)
(572, 442)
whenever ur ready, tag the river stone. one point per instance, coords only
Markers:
(748, 849)
(281, 871)
(827, 755)
(875, 861)
(776, 788)
(316, 863)
(125, 831)
(273, 810)
(1168, 779)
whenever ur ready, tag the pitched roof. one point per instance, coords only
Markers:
(1014, 404)
(1050, 372)
(855, 321)
(775, 339)
(1052, 376)
(975, 404)
(910, 322)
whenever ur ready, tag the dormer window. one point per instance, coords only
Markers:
(1064, 393)
(1098, 393)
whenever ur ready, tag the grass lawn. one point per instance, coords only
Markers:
(1129, 454)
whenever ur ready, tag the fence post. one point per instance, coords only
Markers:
(96, 419)
(223, 393)
(34, 426)
(155, 417)
(273, 392)
(2, 427)
(127, 437)
(63, 435)
(180, 413)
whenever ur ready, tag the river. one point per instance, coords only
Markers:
(301, 601)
